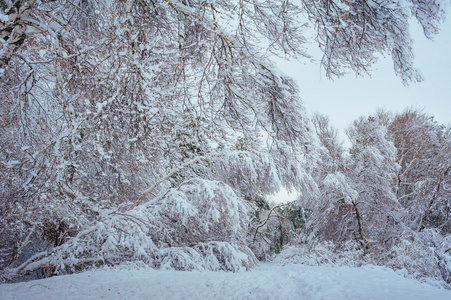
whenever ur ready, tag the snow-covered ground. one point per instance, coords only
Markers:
(267, 281)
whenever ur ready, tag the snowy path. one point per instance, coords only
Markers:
(264, 282)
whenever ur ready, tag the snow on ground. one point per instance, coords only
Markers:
(267, 281)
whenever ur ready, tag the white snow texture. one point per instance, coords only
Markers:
(267, 281)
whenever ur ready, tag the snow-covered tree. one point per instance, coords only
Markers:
(355, 199)
(119, 117)
(124, 102)
(330, 148)
(388, 198)
(373, 169)
(423, 153)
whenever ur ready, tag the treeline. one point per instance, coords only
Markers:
(386, 200)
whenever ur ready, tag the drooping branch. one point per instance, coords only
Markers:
(149, 190)
(267, 219)
(226, 37)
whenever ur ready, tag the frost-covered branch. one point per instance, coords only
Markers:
(149, 190)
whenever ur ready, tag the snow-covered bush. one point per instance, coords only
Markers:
(214, 256)
(323, 253)
(423, 254)
(199, 225)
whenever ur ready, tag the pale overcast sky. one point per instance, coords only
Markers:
(347, 98)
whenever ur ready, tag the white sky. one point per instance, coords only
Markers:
(348, 97)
